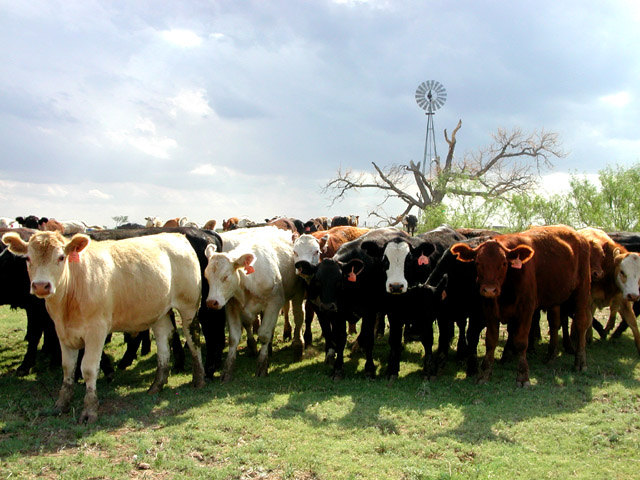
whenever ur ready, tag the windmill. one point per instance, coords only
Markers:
(430, 96)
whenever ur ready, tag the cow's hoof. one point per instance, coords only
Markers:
(262, 370)
(523, 383)
(124, 363)
(154, 389)
(286, 336)
(88, 416)
(297, 352)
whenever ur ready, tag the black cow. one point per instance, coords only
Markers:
(211, 321)
(406, 264)
(344, 289)
(28, 222)
(410, 223)
(340, 221)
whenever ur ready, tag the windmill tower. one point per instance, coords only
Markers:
(430, 96)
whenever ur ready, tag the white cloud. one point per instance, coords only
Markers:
(192, 101)
(204, 170)
(98, 194)
(182, 37)
(620, 99)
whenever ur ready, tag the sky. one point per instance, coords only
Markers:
(212, 109)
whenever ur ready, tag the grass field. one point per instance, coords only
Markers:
(297, 423)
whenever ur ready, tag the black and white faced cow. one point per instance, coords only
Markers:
(406, 263)
(346, 288)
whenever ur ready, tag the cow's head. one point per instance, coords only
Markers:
(492, 262)
(329, 279)
(47, 254)
(628, 275)
(402, 263)
(596, 260)
(223, 274)
(306, 248)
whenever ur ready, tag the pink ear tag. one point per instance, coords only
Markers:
(352, 276)
(444, 294)
(249, 269)
(74, 257)
(517, 263)
(423, 260)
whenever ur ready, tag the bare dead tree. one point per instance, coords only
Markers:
(511, 164)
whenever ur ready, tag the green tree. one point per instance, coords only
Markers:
(120, 219)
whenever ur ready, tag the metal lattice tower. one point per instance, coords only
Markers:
(430, 96)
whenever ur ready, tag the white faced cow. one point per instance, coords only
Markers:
(153, 222)
(94, 288)
(256, 275)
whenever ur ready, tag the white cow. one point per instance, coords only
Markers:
(73, 226)
(6, 222)
(306, 248)
(153, 222)
(254, 274)
(94, 288)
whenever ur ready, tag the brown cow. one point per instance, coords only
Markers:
(230, 224)
(210, 225)
(331, 240)
(50, 225)
(543, 267)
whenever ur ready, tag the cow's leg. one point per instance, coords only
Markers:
(429, 364)
(146, 343)
(339, 334)
(265, 336)
(162, 328)
(476, 324)
(520, 343)
(191, 331)
(69, 359)
(235, 332)
(581, 323)
(298, 320)
(446, 332)
(630, 319)
(176, 344)
(212, 323)
(93, 347)
(491, 341)
(554, 320)
(329, 341)
(367, 341)
(611, 322)
(308, 320)
(395, 343)
(51, 344)
(133, 342)
(286, 334)
(35, 329)
(461, 347)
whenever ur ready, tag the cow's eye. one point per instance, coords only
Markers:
(28, 259)
(61, 258)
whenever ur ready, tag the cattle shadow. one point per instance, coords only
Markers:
(362, 404)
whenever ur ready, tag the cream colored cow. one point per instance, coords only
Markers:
(94, 288)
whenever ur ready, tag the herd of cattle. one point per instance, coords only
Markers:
(93, 283)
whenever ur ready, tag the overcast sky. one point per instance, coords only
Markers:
(211, 109)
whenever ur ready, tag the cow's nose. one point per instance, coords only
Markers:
(633, 297)
(395, 288)
(213, 304)
(489, 292)
(328, 307)
(41, 289)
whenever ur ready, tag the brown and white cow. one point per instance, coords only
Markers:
(50, 225)
(543, 267)
(618, 287)
(210, 224)
(94, 288)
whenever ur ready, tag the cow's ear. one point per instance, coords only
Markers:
(422, 252)
(352, 269)
(325, 239)
(463, 252)
(16, 245)
(305, 269)
(210, 250)
(78, 243)
(246, 261)
(372, 248)
(20, 220)
(520, 255)
(43, 220)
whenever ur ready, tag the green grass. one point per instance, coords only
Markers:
(298, 423)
